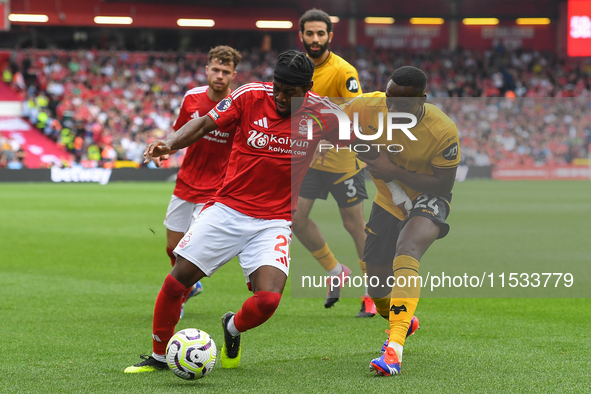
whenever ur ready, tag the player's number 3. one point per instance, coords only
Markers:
(352, 189)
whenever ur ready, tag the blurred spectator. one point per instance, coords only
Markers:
(7, 75)
(105, 106)
(11, 154)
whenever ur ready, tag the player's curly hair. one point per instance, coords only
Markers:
(297, 62)
(316, 15)
(410, 76)
(225, 55)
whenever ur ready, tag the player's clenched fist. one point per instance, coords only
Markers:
(156, 149)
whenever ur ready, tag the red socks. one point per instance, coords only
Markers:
(171, 255)
(172, 262)
(167, 312)
(256, 310)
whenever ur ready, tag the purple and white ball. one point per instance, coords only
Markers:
(191, 354)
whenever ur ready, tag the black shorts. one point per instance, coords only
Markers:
(347, 192)
(384, 228)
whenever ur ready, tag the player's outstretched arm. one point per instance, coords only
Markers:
(191, 132)
(438, 184)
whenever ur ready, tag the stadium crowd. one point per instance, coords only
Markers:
(105, 106)
(12, 156)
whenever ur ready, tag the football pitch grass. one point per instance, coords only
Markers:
(81, 265)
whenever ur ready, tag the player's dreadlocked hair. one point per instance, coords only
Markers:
(294, 68)
(410, 76)
(298, 61)
(316, 15)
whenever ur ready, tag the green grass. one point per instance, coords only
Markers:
(81, 264)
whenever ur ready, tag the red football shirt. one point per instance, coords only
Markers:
(204, 166)
(268, 161)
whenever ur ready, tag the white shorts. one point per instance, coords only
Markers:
(220, 233)
(181, 214)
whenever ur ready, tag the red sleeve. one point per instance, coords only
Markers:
(227, 112)
(184, 116)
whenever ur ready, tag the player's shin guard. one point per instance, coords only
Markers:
(171, 255)
(256, 310)
(383, 306)
(166, 313)
(405, 297)
(325, 257)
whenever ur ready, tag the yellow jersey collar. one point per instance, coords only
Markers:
(325, 60)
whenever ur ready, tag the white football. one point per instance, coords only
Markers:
(191, 353)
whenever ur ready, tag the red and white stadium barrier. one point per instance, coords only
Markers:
(41, 152)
